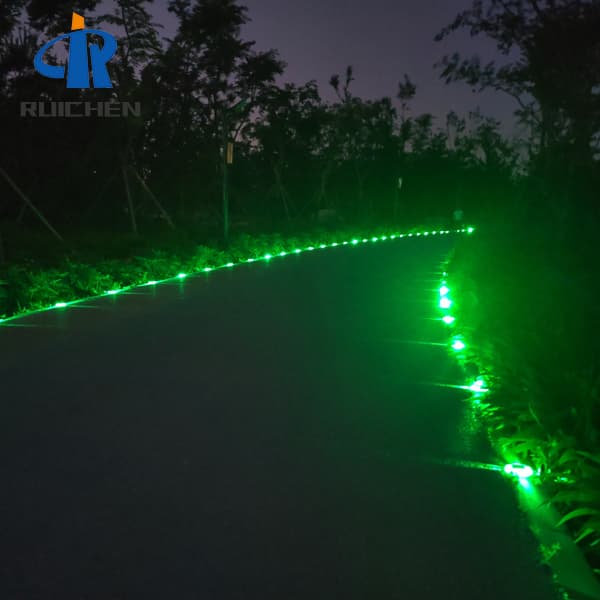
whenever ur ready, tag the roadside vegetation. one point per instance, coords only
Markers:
(44, 282)
(526, 287)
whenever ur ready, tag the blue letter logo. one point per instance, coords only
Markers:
(78, 73)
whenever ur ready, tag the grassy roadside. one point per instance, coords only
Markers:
(41, 273)
(524, 298)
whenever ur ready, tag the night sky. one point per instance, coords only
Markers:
(382, 39)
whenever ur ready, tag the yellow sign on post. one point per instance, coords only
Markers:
(229, 153)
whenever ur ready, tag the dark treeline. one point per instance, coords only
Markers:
(295, 153)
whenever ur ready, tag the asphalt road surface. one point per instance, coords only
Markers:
(265, 432)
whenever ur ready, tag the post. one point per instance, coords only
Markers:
(160, 207)
(225, 180)
(397, 200)
(129, 201)
(227, 150)
(2, 255)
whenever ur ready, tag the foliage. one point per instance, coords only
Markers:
(294, 153)
(552, 53)
(32, 284)
(526, 307)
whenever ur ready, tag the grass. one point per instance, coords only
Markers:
(525, 301)
(41, 272)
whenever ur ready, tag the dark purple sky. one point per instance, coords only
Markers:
(382, 39)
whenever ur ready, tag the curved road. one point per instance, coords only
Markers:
(259, 433)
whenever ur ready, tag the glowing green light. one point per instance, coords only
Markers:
(478, 387)
(459, 345)
(524, 483)
(445, 303)
(519, 470)
(469, 464)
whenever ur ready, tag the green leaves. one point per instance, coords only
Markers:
(532, 329)
(595, 458)
(577, 513)
(563, 109)
(30, 286)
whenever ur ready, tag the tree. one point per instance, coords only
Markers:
(558, 64)
(287, 142)
(139, 42)
(363, 141)
(208, 70)
(406, 93)
(9, 15)
(54, 16)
